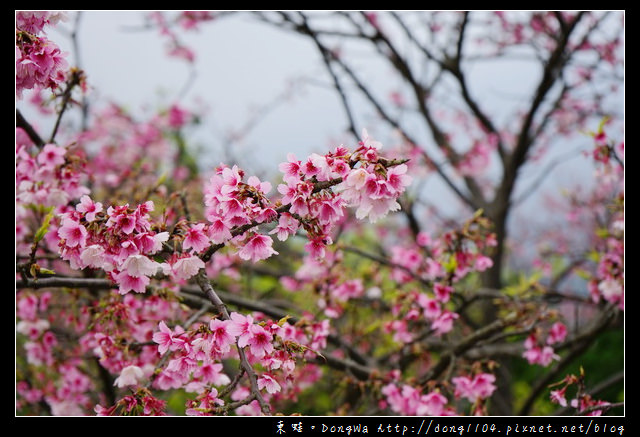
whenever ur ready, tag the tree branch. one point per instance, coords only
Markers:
(75, 79)
(467, 343)
(550, 74)
(207, 289)
(579, 344)
(21, 122)
(439, 136)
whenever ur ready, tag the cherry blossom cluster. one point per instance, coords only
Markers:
(48, 179)
(70, 394)
(187, 21)
(474, 387)
(539, 350)
(323, 275)
(315, 194)
(441, 263)
(607, 282)
(582, 402)
(141, 403)
(120, 241)
(120, 334)
(476, 160)
(451, 256)
(114, 330)
(39, 61)
(132, 152)
(52, 177)
(411, 401)
(196, 355)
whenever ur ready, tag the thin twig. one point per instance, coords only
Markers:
(207, 289)
(75, 79)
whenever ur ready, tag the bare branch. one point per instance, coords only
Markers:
(525, 140)
(21, 122)
(467, 343)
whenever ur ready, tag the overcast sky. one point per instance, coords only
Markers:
(240, 66)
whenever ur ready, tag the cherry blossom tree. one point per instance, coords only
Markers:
(148, 285)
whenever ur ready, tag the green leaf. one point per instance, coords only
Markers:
(451, 265)
(602, 123)
(44, 228)
(46, 271)
(283, 320)
(161, 179)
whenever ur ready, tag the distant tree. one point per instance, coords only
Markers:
(149, 285)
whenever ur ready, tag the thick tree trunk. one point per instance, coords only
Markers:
(502, 400)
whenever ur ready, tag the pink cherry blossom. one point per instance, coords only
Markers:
(239, 326)
(167, 339)
(183, 365)
(299, 205)
(480, 387)
(444, 322)
(221, 334)
(32, 329)
(442, 292)
(74, 234)
(349, 290)
(182, 52)
(558, 396)
(368, 142)
(35, 21)
(557, 333)
(196, 238)
(259, 341)
(410, 401)
(540, 355)
(27, 306)
(156, 242)
(218, 231)
(375, 209)
(130, 375)
(269, 383)
(121, 219)
(51, 155)
(256, 248)
(140, 265)
(177, 116)
(262, 187)
(211, 373)
(611, 290)
(328, 210)
(167, 380)
(127, 283)
(400, 330)
(316, 247)
(309, 168)
(94, 256)
(482, 263)
(186, 267)
(397, 179)
(432, 404)
(39, 64)
(287, 226)
(231, 179)
(89, 208)
(431, 308)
